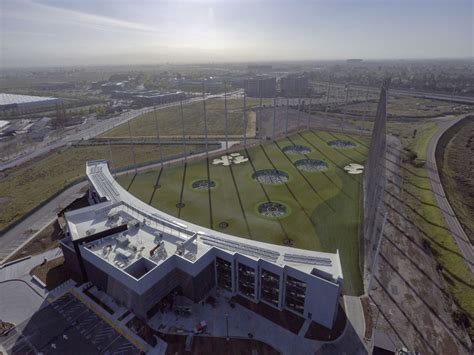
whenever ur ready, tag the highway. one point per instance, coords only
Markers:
(452, 222)
(414, 93)
(87, 133)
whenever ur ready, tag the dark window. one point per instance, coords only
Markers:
(224, 274)
(247, 280)
(269, 287)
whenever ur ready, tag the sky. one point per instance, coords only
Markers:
(93, 32)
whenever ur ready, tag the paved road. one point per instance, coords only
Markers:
(413, 93)
(451, 221)
(87, 133)
(29, 227)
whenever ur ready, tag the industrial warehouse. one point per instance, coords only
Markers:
(26, 103)
(139, 255)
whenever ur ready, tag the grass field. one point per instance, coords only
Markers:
(169, 119)
(404, 106)
(457, 174)
(25, 187)
(324, 206)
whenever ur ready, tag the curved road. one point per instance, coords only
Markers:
(449, 216)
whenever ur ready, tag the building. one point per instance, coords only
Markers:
(26, 103)
(294, 85)
(139, 255)
(157, 98)
(260, 87)
(259, 68)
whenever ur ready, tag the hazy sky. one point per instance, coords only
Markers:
(74, 32)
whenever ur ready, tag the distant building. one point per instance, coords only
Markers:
(53, 86)
(25, 103)
(260, 87)
(260, 68)
(294, 85)
(157, 98)
(354, 61)
(119, 77)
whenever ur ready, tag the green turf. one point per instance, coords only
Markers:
(324, 206)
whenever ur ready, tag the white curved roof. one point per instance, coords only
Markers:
(107, 188)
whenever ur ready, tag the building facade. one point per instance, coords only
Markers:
(260, 87)
(139, 255)
(294, 85)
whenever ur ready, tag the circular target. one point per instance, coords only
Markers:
(223, 225)
(271, 177)
(203, 184)
(311, 165)
(342, 144)
(296, 149)
(272, 209)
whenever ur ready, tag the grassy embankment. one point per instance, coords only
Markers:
(25, 187)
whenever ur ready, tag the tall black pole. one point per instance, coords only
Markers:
(327, 95)
(133, 147)
(182, 126)
(225, 118)
(287, 113)
(274, 117)
(205, 118)
(309, 112)
(158, 136)
(245, 121)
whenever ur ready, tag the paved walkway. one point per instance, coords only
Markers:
(440, 197)
(20, 296)
(355, 314)
(31, 225)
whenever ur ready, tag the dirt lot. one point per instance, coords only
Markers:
(53, 273)
(47, 239)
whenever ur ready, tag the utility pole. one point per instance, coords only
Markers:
(274, 117)
(287, 113)
(205, 119)
(345, 107)
(133, 147)
(225, 119)
(245, 120)
(110, 153)
(182, 126)
(158, 136)
(310, 110)
(298, 119)
(327, 95)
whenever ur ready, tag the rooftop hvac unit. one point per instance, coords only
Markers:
(133, 224)
(122, 241)
(90, 231)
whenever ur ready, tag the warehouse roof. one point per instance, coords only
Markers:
(11, 99)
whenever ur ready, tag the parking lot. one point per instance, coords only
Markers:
(66, 326)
